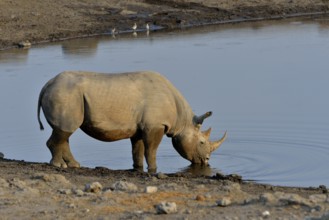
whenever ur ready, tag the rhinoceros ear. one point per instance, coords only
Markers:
(198, 120)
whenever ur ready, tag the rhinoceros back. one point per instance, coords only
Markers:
(110, 106)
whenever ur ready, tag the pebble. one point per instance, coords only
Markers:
(166, 208)
(161, 176)
(65, 191)
(200, 198)
(154, 179)
(266, 214)
(268, 198)
(224, 202)
(124, 186)
(318, 198)
(168, 186)
(78, 192)
(208, 196)
(151, 189)
(232, 187)
(71, 206)
(94, 187)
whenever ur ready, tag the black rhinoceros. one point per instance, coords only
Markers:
(142, 106)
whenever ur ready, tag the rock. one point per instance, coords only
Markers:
(166, 208)
(52, 178)
(124, 186)
(65, 191)
(284, 199)
(168, 186)
(19, 184)
(224, 202)
(201, 186)
(318, 198)
(233, 188)
(94, 187)
(151, 189)
(154, 179)
(323, 188)
(187, 211)
(161, 176)
(208, 196)
(2, 155)
(71, 206)
(86, 210)
(232, 177)
(293, 199)
(24, 44)
(266, 214)
(3, 183)
(78, 192)
(325, 216)
(200, 198)
(268, 198)
(22, 186)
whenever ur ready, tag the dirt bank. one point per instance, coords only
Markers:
(46, 20)
(40, 191)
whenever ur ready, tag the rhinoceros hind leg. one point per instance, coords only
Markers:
(59, 147)
(138, 153)
(152, 138)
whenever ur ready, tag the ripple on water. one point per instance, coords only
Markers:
(286, 155)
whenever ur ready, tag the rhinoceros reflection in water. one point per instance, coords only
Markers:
(142, 106)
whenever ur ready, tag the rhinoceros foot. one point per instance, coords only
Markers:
(61, 163)
(73, 164)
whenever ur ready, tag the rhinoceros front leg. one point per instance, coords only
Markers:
(138, 152)
(58, 144)
(152, 138)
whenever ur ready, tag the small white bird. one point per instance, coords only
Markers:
(113, 31)
(134, 27)
(147, 26)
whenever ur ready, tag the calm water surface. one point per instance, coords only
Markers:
(266, 83)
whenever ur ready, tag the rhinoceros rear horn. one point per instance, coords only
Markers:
(216, 144)
(198, 120)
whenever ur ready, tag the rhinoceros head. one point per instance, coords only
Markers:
(194, 144)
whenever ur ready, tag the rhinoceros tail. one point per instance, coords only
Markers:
(39, 107)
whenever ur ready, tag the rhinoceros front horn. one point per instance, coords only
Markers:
(198, 120)
(214, 145)
(207, 133)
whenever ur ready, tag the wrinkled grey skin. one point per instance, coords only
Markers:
(142, 106)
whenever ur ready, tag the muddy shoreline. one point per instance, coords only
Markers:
(40, 191)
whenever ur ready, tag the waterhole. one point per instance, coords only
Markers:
(267, 84)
